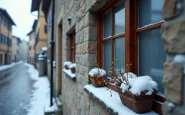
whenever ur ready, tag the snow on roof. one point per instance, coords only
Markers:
(72, 65)
(44, 48)
(113, 102)
(139, 84)
(96, 72)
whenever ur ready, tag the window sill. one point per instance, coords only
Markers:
(70, 74)
(112, 104)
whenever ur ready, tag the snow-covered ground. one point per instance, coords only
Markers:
(3, 67)
(41, 93)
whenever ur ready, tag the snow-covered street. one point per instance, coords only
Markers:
(23, 92)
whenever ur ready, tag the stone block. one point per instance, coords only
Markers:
(173, 37)
(92, 47)
(82, 24)
(86, 72)
(80, 89)
(89, 60)
(84, 9)
(90, 34)
(170, 109)
(77, 37)
(82, 36)
(81, 2)
(171, 9)
(173, 82)
(90, 19)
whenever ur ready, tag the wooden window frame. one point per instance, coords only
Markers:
(72, 46)
(131, 39)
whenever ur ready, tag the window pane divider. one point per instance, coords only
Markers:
(149, 27)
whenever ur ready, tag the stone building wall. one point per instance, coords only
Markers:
(84, 23)
(174, 44)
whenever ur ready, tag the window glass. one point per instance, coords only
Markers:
(107, 25)
(107, 55)
(152, 56)
(150, 11)
(119, 21)
(119, 53)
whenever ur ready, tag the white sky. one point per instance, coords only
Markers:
(20, 12)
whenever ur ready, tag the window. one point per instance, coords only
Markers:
(151, 58)
(113, 38)
(130, 32)
(72, 47)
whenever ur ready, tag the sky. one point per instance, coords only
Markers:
(20, 12)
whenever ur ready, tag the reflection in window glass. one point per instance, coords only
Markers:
(152, 56)
(119, 21)
(107, 55)
(107, 25)
(119, 53)
(150, 11)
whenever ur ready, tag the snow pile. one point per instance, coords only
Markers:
(67, 63)
(139, 84)
(40, 96)
(72, 65)
(97, 72)
(44, 48)
(32, 71)
(113, 102)
(41, 56)
(130, 75)
(3, 67)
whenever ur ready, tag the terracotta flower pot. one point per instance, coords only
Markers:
(139, 104)
(98, 81)
(73, 70)
(112, 86)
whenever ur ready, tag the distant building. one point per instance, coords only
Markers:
(23, 49)
(31, 53)
(40, 30)
(15, 48)
(6, 23)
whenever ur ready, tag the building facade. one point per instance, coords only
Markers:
(40, 28)
(6, 24)
(15, 48)
(91, 32)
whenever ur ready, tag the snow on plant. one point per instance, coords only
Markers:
(72, 65)
(130, 82)
(97, 72)
(67, 63)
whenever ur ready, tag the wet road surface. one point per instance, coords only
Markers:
(15, 91)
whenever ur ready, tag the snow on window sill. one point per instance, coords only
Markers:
(69, 74)
(112, 104)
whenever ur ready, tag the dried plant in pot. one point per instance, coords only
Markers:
(72, 67)
(97, 77)
(67, 64)
(137, 93)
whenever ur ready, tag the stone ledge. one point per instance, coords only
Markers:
(111, 104)
(70, 74)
